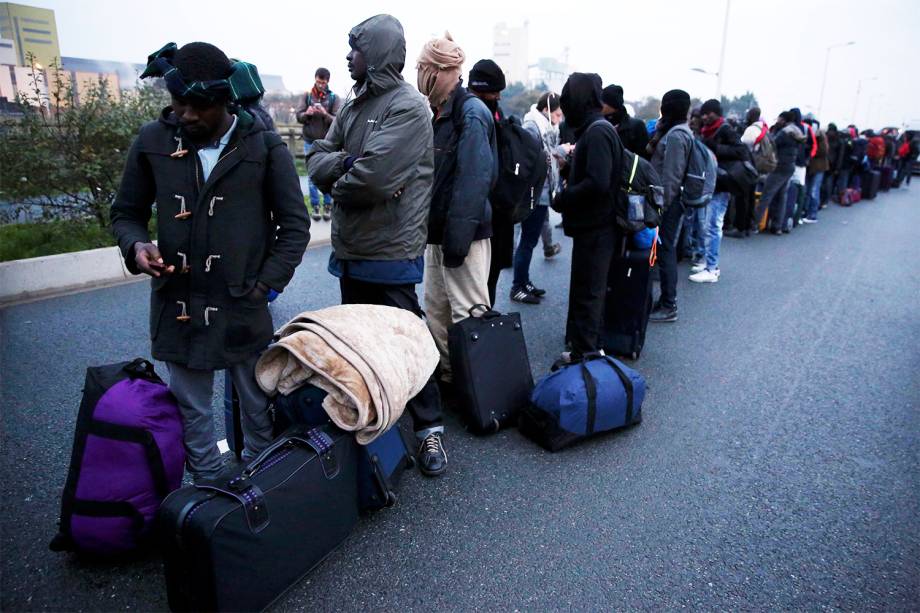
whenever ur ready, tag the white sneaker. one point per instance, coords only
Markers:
(806, 220)
(706, 276)
(698, 267)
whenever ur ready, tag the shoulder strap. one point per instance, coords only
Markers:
(456, 113)
(632, 174)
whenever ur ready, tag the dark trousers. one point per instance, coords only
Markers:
(531, 228)
(774, 196)
(669, 232)
(425, 408)
(744, 209)
(593, 253)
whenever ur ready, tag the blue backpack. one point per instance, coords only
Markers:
(583, 398)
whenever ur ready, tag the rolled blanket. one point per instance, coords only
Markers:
(371, 359)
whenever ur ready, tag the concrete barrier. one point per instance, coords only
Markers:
(64, 273)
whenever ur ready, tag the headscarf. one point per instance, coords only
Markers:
(243, 85)
(439, 67)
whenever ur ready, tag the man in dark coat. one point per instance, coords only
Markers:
(633, 133)
(377, 163)
(588, 206)
(231, 226)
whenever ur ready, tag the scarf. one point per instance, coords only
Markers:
(439, 67)
(710, 130)
(243, 85)
(317, 95)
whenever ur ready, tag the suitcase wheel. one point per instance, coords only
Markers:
(496, 426)
(391, 498)
(411, 461)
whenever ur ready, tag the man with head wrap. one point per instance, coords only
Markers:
(670, 149)
(377, 163)
(231, 226)
(458, 256)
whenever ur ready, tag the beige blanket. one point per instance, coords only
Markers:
(371, 359)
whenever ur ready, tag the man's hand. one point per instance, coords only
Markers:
(259, 293)
(310, 111)
(149, 261)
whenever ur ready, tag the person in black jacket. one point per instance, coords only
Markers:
(231, 226)
(587, 205)
(725, 142)
(458, 256)
(632, 132)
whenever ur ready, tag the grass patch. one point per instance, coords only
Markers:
(31, 240)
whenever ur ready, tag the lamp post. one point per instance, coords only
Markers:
(728, 6)
(711, 74)
(858, 90)
(827, 60)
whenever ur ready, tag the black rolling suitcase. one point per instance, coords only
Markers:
(237, 543)
(871, 181)
(491, 370)
(628, 303)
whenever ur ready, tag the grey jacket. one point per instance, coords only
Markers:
(670, 160)
(381, 202)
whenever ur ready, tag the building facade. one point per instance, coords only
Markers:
(32, 30)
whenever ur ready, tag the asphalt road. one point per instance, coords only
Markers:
(777, 466)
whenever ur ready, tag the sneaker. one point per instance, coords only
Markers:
(807, 220)
(432, 459)
(662, 314)
(327, 213)
(706, 276)
(735, 233)
(552, 251)
(536, 291)
(522, 295)
(697, 267)
(315, 215)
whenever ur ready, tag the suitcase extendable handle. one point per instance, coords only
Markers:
(487, 313)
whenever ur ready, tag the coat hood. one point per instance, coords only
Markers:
(581, 98)
(382, 41)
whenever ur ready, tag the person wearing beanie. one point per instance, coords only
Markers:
(487, 81)
(228, 235)
(725, 142)
(670, 150)
(795, 192)
(818, 166)
(587, 204)
(632, 131)
(378, 164)
(459, 252)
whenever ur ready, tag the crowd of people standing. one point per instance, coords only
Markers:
(406, 174)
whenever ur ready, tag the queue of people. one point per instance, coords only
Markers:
(405, 174)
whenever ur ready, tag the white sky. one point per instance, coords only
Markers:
(775, 48)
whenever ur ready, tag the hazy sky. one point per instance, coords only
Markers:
(775, 48)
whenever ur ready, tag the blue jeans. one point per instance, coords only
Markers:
(315, 196)
(531, 229)
(715, 215)
(814, 194)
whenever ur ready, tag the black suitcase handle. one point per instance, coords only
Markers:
(315, 438)
(487, 312)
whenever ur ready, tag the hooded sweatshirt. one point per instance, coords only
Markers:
(589, 199)
(540, 124)
(378, 162)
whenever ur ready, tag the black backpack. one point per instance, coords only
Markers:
(522, 166)
(640, 204)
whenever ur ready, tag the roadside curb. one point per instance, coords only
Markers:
(49, 276)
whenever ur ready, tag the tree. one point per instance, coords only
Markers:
(65, 157)
(648, 108)
(738, 107)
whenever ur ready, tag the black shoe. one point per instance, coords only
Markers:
(536, 291)
(314, 213)
(522, 295)
(663, 314)
(735, 234)
(552, 251)
(432, 459)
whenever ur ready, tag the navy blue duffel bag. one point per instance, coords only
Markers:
(580, 399)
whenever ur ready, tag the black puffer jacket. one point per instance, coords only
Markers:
(247, 224)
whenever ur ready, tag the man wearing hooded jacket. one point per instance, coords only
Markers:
(588, 205)
(377, 162)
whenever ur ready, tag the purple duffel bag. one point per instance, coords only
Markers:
(127, 456)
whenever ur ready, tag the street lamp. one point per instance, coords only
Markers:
(827, 59)
(711, 74)
(858, 90)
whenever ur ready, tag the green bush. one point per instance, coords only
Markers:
(32, 240)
